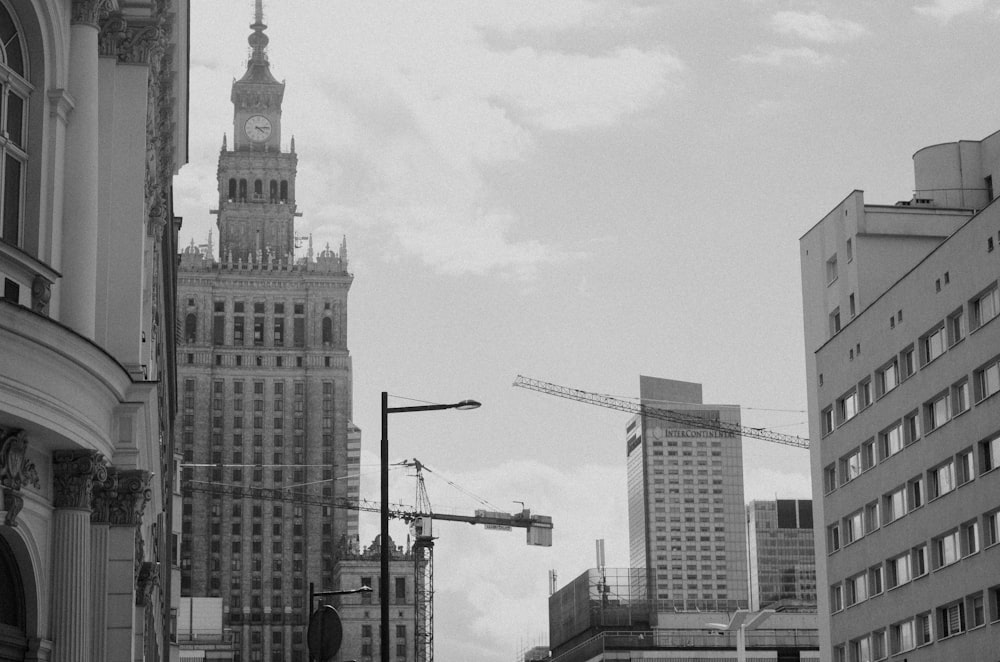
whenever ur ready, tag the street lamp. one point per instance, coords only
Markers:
(383, 589)
(742, 621)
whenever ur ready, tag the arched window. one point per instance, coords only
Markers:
(274, 190)
(327, 331)
(190, 327)
(258, 189)
(284, 190)
(14, 92)
(243, 190)
(232, 189)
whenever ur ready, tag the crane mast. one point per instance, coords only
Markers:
(539, 532)
(612, 402)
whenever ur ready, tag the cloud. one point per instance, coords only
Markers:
(777, 56)
(814, 26)
(945, 10)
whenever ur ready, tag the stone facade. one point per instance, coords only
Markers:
(95, 105)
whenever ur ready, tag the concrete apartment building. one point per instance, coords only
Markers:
(685, 501)
(782, 554)
(265, 385)
(900, 305)
(93, 116)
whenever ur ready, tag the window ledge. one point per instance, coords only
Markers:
(34, 277)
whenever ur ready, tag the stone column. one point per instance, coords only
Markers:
(74, 473)
(79, 228)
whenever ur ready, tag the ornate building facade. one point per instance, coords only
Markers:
(265, 385)
(93, 107)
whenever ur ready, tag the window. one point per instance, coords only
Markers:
(902, 636)
(14, 91)
(830, 476)
(911, 427)
(400, 588)
(857, 589)
(894, 505)
(964, 470)
(850, 250)
(871, 517)
(976, 610)
(937, 412)
(847, 407)
(887, 377)
(852, 306)
(992, 525)
(942, 479)
(956, 327)
(922, 627)
(946, 549)
(987, 380)
(984, 307)
(932, 345)
(906, 362)
(989, 454)
(865, 393)
(898, 570)
(960, 397)
(835, 321)
(833, 537)
(831, 269)
(868, 455)
(917, 494)
(836, 597)
(891, 440)
(879, 649)
(861, 650)
(875, 580)
(850, 466)
(854, 526)
(970, 538)
(827, 415)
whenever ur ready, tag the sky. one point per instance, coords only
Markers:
(580, 191)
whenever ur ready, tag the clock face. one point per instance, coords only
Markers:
(258, 128)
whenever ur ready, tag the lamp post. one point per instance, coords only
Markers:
(742, 621)
(383, 589)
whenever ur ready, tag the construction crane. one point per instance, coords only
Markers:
(420, 518)
(539, 532)
(612, 402)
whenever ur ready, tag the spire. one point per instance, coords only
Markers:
(258, 67)
(258, 40)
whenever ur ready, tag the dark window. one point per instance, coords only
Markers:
(401, 588)
(232, 189)
(299, 332)
(258, 189)
(284, 190)
(274, 191)
(190, 327)
(243, 190)
(327, 330)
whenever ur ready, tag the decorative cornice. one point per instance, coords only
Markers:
(73, 477)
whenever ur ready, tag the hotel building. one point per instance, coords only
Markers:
(900, 305)
(685, 501)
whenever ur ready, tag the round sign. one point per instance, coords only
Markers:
(325, 633)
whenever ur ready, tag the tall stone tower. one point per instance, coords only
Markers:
(264, 383)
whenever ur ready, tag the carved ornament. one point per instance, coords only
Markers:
(74, 474)
(16, 470)
(149, 579)
(88, 12)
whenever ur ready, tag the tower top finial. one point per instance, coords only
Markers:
(258, 40)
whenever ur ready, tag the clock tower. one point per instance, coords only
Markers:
(256, 178)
